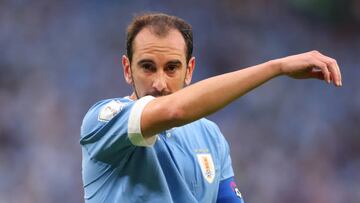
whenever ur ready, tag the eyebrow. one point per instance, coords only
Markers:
(174, 62)
(145, 61)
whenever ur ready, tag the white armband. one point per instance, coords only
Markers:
(134, 124)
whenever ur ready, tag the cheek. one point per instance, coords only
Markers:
(176, 83)
(143, 83)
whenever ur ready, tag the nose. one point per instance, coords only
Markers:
(159, 83)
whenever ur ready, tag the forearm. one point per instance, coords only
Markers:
(205, 97)
(210, 95)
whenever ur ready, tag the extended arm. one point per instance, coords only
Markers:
(210, 95)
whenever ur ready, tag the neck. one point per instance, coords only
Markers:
(133, 96)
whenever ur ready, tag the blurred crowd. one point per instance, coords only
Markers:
(291, 141)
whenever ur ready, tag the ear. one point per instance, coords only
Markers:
(127, 70)
(189, 71)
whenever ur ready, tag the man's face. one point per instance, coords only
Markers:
(158, 65)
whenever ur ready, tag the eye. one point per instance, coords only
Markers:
(148, 67)
(172, 68)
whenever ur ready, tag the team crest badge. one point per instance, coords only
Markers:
(110, 110)
(207, 166)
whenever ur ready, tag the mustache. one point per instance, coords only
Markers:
(155, 93)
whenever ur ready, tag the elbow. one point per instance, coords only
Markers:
(162, 114)
(174, 113)
(177, 117)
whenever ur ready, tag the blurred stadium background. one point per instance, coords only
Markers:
(291, 141)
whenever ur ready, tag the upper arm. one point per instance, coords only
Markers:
(161, 113)
(225, 157)
(228, 192)
(111, 127)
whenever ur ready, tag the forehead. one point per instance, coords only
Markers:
(148, 44)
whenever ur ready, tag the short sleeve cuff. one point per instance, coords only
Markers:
(134, 124)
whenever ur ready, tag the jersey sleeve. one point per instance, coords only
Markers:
(226, 165)
(112, 127)
(228, 192)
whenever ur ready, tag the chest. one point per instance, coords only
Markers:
(192, 156)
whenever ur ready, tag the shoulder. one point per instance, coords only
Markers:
(106, 109)
(103, 111)
(112, 103)
(208, 129)
(210, 125)
(213, 129)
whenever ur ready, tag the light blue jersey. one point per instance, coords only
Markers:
(184, 164)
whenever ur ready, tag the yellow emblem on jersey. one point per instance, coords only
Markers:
(207, 166)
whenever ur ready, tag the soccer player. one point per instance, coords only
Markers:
(155, 145)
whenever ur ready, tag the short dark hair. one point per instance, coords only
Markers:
(160, 24)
